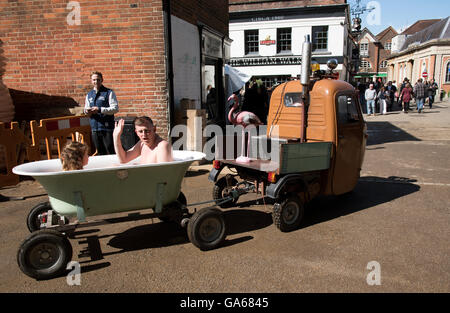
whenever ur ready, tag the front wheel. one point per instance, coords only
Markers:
(44, 254)
(206, 229)
(288, 213)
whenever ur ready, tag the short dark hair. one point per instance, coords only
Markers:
(143, 120)
(97, 73)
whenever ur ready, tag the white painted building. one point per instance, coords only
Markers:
(267, 44)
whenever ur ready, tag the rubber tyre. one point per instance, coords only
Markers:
(33, 222)
(181, 199)
(206, 229)
(220, 191)
(288, 214)
(44, 254)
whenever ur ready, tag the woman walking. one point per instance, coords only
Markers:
(406, 97)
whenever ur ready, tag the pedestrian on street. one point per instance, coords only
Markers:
(371, 96)
(391, 89)
(406, 96)
(419, 94)
(432, 87)
(402, 86)
(383, 96)
(100, 105)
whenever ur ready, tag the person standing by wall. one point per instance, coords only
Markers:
(419, 94)
(101, 105)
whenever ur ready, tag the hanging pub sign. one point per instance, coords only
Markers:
(267, 41)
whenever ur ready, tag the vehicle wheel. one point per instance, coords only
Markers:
(206, 229)
(222, 188)
(44, 254)
(173, 210)
(33, 222)
(288, 214)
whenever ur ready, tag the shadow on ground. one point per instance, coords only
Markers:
(385, 132)
(369, 192)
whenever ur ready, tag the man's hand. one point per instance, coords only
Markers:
(93, 110)
(118, 129)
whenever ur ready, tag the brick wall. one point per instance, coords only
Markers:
(213, 13)
(48, 61)
(386, 37)
(247, 5)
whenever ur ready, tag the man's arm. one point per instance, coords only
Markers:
(124, 156)
(113, 105)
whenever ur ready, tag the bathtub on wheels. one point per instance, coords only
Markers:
(105, 186)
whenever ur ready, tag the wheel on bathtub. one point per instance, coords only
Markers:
(33, 220)
(206, 229)
(173, 212)
(44, 254)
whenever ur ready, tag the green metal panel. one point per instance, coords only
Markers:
(305, 157)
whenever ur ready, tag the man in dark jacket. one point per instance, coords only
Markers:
(100, 105)
(419, 94)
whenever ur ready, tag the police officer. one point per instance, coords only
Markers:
(101, 104)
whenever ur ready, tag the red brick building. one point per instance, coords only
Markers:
(51, 47)
(374, 51)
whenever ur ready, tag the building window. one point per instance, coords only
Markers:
(284, 40)
(320, 38)
(383, 64)
(365, 64)
(364, 49)
(251, 41)
(387, 46)
(447, 75)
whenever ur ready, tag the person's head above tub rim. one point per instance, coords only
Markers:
(151, 147)
(74, 156)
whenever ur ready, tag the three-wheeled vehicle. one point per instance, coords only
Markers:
(317, 128)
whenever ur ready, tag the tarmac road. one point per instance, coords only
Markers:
(398, 216)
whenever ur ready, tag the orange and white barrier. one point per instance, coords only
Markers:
(77, 128)
(11, 137)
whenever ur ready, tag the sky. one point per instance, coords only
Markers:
(400, 13)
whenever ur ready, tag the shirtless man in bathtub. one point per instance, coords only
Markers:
(151, 147)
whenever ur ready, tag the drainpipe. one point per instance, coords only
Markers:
(169, 65)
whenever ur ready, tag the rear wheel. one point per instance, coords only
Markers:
(222, 189)
(44, 254)
(288, 213)
(33, 220)
(206, 229)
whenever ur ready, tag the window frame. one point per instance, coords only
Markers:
(447, 73)
(315, 38)
(364, 52)
(282, 41)
(254, 48)
(351, 118)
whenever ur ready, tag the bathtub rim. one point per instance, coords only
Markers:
(24, 169)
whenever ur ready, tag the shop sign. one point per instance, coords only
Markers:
(267, 41)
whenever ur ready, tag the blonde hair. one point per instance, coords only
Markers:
(72, 156)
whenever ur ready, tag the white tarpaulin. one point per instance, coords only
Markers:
(236, 79)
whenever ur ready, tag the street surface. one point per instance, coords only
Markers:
(398, 216)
